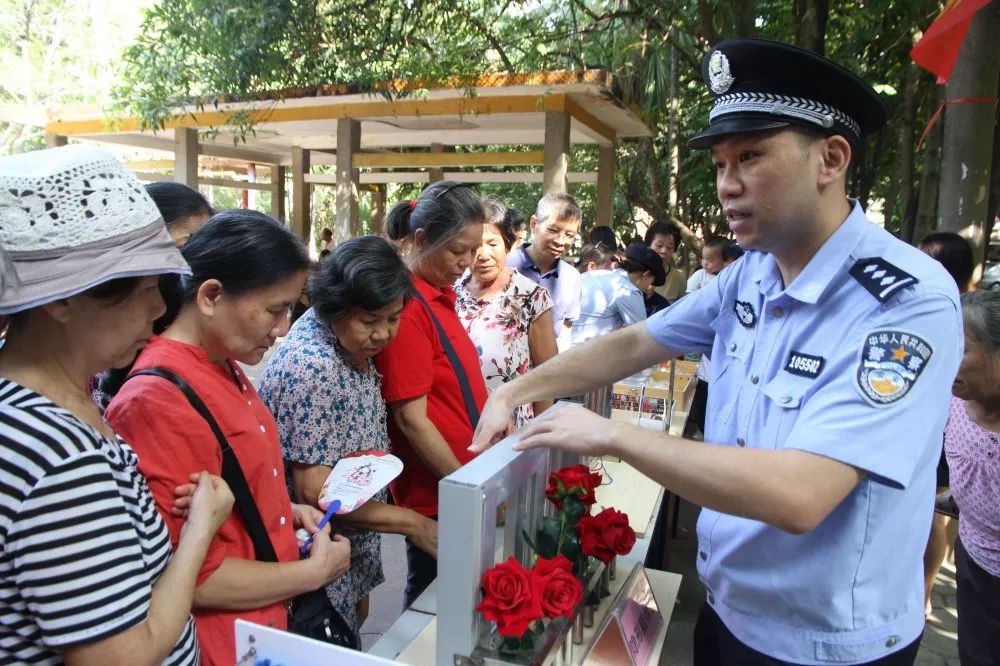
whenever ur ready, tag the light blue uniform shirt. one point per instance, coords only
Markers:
(827, 367)
(609, 301)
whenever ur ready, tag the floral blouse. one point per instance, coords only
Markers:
(499, 329)
(326, 407)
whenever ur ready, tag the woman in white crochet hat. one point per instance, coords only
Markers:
(86, 570)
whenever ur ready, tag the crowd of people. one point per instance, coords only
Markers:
(150, 493)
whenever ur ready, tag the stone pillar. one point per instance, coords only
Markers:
(348, 144)
(186, 156)
(278, 193)
(301, 215)
(605, 185)
(556, 152)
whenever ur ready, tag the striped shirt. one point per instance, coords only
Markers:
(81, 542)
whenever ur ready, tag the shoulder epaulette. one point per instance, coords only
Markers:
(880, 277)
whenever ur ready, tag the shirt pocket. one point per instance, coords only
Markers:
(730, 356)
(787, 396)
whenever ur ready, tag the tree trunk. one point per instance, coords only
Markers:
(673, 134)
(810, 24)
(902, 183)
(994, 206)
(746, 18)
(968, 133)
(930, 181)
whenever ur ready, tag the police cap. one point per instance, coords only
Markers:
(761, 85)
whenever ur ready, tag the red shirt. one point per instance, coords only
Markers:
(172, 441)
(414, 364)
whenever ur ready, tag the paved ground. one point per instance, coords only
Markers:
(939, 647)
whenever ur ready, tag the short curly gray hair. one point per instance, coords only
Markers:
(981, 314)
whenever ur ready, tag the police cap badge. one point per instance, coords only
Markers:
(761, 85)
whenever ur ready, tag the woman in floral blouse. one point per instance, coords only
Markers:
(325, 394)
(508, 316)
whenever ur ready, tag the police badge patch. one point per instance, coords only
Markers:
(891, 361)
(745, 313)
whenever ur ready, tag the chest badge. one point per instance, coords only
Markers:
(745, 313)
(890, 364)
(805, 365)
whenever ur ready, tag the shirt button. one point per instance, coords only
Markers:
(740, 441)
(262, 429)
(275, 470)
(703, 555)
(754, 379)
(249, 403)
(732, 347)
(893, 640)
(785, 399)
(777, 312)
(282, 521)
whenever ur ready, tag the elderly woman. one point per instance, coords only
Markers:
(955, 254)
(247, 271)
(323, 389)
(430, 371)
(86, 575)
(507, 316)
(972, 445)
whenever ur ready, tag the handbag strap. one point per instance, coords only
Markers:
(232, 473)
(463, 380)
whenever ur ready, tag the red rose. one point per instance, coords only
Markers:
(605, 535)
(558, 589)
(509, 598)
(575, 479)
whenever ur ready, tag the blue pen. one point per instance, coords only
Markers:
(330, 510)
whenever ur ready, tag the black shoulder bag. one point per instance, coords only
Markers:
(311, 613)
(456, 364)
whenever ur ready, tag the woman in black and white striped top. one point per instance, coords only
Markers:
(86, 570)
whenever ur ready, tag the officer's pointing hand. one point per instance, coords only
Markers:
(569, 428)
(493, 420)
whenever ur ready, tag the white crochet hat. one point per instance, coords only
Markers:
(70, 219)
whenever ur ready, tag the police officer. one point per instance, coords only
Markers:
(833, 349)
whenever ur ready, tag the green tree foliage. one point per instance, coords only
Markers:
(203, 52)
(57, 52)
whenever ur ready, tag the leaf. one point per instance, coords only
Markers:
(574, 509)
(547, 544)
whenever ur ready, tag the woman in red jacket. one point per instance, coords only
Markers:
(247, 272)
(430, 424)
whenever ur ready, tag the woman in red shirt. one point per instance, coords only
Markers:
(247, 272)
(430, 427)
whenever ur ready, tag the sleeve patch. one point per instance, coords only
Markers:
(881, 278)
(889, 365)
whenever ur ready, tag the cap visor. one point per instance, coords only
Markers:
(733, 125)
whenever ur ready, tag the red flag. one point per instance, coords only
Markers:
(938, 49)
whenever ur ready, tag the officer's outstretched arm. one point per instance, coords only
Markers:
(583, 368)
(792, 490)
(878, 411)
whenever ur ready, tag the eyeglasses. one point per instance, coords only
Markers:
(568, 234)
